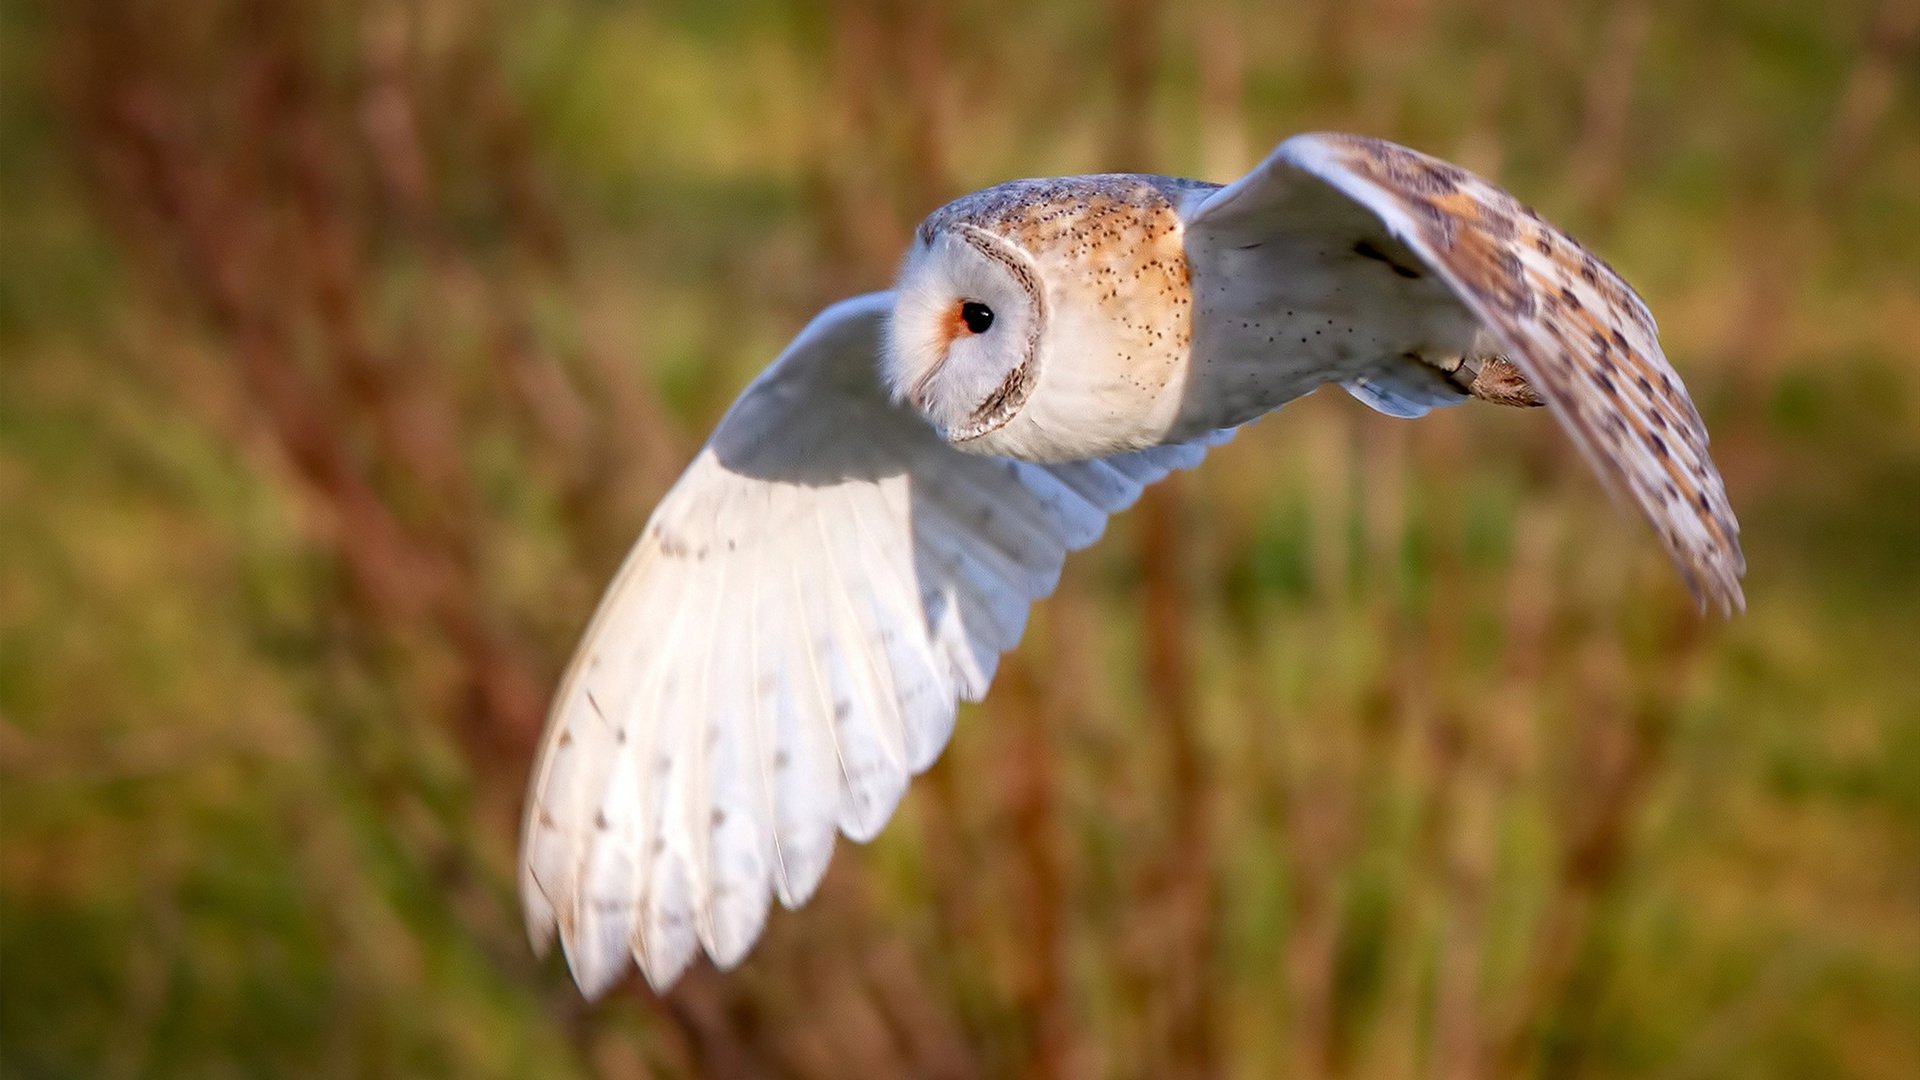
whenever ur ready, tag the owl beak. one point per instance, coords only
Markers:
(950, 328)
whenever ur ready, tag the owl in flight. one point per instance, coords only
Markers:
(859, 541)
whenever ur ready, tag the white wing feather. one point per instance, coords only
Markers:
(783, 649)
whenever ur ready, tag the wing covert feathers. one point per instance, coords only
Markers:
(783, 649)
(1581, 337)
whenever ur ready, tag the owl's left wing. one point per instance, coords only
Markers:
(783, 650)
(1578, 333)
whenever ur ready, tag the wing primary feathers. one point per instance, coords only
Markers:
(808, 779)
(737, 826)
(700, 744)
(807, 775)
(762, 715)
(667, 907)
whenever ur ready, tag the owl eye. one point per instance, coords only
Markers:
(977, 316)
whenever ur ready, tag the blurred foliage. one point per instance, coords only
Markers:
(347, 344)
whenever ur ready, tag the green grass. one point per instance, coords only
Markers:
(1448, 781)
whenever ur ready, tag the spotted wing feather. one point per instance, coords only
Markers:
(1578, 333)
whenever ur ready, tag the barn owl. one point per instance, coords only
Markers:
(859, 541)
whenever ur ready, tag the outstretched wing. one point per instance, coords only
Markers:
(782, 650)
(1575, 330)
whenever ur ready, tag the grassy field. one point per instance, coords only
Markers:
(345, 346)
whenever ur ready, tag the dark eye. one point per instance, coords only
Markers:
(977, 316)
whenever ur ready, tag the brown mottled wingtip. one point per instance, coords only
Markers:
(1577, 335)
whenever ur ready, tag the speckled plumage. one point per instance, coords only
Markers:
(1582, 337)
(860, 540)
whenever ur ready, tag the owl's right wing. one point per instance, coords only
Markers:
(1431, 243)
(782, 650)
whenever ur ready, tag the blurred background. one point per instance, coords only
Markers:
(346, 346)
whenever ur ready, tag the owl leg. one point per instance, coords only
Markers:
(1414, 384)
(1495, 379)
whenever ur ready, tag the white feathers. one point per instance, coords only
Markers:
(782, 651)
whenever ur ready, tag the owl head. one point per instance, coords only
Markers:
(964, 343)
